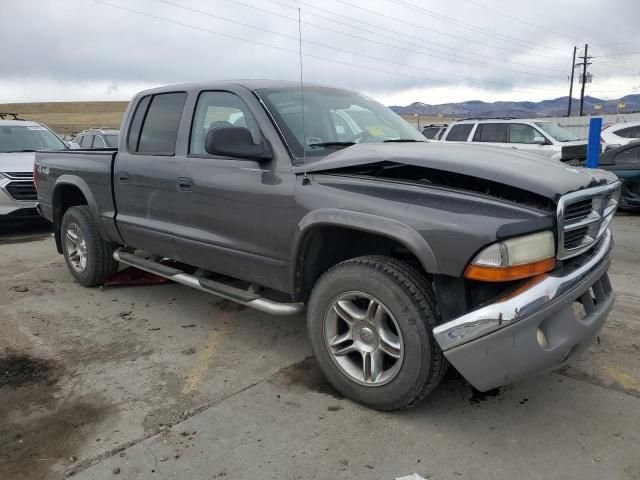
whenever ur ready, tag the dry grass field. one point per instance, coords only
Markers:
(67, 118)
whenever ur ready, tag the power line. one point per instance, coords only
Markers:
(377, 33)
(324, 28)
(469, 26)
(433, 30)
(294, 52)
(498, 12)
(370, 57)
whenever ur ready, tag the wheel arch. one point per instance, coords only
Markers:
(312, 254)
(69, 192)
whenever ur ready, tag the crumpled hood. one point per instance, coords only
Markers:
(17, 162)
(506, 166)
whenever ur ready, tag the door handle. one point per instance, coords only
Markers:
(123, 177)
(185, 184)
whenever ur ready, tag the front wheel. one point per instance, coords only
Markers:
(370, 322)
(89, 258)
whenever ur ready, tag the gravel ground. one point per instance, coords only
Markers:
(162, 381)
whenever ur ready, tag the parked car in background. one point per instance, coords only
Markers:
(543, 138)
(434, 131)
(97, 138)
(620, 133)
(19, 139)
(408, 254)
(624, 161)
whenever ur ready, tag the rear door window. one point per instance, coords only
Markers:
(459, 133)
(491, 132)
(136, 124)
(160, 128)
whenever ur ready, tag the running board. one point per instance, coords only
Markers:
(244, 297)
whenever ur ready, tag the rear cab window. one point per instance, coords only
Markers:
(459, 133)
(154, 127)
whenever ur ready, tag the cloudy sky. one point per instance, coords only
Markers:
(397, 51)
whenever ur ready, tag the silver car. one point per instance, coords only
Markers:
(19, 139)
(96, 138)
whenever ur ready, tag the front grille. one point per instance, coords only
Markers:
(22, 191)
(578, 211)
(18, 175)
(583, 217)
(575, 238)
(573, 152)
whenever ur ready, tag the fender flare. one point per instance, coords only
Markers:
(80, 184)
(366, 222)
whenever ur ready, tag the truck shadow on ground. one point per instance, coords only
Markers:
(23, 232)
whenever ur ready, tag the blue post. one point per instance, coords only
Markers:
(593, 147)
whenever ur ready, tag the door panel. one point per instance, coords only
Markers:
(236, 214)
(237, 219)
(145, 176)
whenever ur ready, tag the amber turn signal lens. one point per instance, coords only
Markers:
(505, 274)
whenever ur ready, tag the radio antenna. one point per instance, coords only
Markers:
(305, 180)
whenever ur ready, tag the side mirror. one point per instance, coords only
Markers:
(235, 142)
(73, 145)
(540, 140)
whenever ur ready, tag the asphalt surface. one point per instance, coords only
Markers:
(146, 382)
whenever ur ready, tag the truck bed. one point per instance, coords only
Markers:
(89, 171)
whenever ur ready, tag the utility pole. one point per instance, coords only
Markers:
(573, 67)
(585, 62)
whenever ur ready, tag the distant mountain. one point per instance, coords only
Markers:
(546, 108)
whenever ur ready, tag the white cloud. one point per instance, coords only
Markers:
(85, 50)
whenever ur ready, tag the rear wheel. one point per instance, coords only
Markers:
(370, 322)
(89, 258)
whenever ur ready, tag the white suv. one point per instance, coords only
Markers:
(620, 133)
(540, 137)
(19, 140)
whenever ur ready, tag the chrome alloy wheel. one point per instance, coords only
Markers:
(76, 247)
(363, 338)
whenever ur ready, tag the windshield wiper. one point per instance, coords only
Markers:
(333, 144)
(404, 140)
(19, 151)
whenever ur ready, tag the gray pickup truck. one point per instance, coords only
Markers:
(407, 255)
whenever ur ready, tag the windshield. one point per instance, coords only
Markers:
(18, 138)
(561, 134)
(112, 141)
(333, 119)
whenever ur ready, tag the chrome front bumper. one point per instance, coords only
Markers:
(498, 343)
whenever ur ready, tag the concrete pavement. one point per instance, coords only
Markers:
(118, 380)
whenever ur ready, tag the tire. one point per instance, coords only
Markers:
(407, 318)
(89, 258)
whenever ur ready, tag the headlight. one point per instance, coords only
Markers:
(513, 259)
